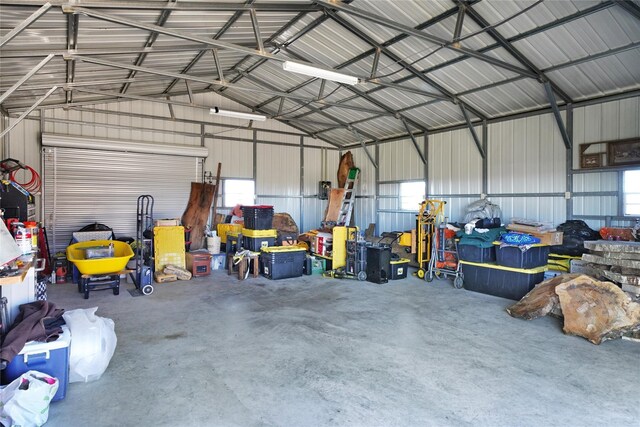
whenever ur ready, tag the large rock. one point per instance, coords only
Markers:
(541, 300)
(597, 311)
(628, 263)
(612, 246)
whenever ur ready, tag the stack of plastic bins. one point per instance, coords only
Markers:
(258, 232)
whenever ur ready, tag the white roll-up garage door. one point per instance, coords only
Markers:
(82, 186)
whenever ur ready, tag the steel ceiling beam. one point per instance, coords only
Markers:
(324, 114)
(340, 6)
(256, 29)
(513, 51)
(556, 114)
(31, 53)
(202, 52)
(212, 6)
(151, 39)
(370, 99)
(372, 51)
(24, 24)
(356, 134)
(459, 22)
(29, 110)
(632, 8)
(26, 77)
(367, 39)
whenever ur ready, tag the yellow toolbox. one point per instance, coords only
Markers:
(223, 229)
(168, 246)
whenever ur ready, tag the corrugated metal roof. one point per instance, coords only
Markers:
(588, 48)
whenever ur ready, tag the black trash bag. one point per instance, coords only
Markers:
(575, 233)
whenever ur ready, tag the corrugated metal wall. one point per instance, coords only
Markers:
(602, 122)
(455, 168)
(526, 157)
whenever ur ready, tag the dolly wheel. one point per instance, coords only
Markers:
(429, 276)
(458, 282)
(421, 273)
(147, 290)
(362, 276)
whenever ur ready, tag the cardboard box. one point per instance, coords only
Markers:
(550, 238)
(168, 222)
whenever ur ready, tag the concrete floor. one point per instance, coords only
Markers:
(320, 352)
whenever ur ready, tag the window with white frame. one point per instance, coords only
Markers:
(411, 195)
(238, 192)
(631, 200)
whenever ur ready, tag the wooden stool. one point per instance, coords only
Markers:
(243, 265)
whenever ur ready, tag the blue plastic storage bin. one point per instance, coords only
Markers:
(51, 358)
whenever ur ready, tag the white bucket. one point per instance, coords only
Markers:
(213, 244)
(23, 239)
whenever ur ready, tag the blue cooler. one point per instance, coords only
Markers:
(51, 358)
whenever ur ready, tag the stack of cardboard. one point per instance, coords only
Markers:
(618, 261)
(543, 231)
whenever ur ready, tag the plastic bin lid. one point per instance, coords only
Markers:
(400, 261)
(536, 270)
(34, 347)
(278, 249)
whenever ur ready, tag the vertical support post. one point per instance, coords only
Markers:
(485, 160)
(301, 182)
(569, 164)
(376, 197)
(427, 183)
(255, 163)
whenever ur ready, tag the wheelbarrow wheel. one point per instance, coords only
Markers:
(116, 291)
(86, 292)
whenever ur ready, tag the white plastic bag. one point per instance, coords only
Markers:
(93, 341)
(28, 405)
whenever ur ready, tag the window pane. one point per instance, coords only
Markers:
(411, 194)
(632, 192)
(238, 192)
(632, 181)
(632, 209)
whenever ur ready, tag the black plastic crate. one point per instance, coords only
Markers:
(505, 282)
(255, 244)
(476, 254)
(282, 265)
(513, 256)
(258, 217)
(399, 269)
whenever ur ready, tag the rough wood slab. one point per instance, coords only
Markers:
(617, 255)
(611, 261)
(597, 311)
(336, 196)
(542, 300)
(181, 273)
(632, 289)
(612, 246)
(621, 278)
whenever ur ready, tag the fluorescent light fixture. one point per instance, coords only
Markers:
(238, 114)
(307, 70)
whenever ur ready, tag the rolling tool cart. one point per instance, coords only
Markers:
(355, 257)
(444, 257)
(431, 212)
(144, 247)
